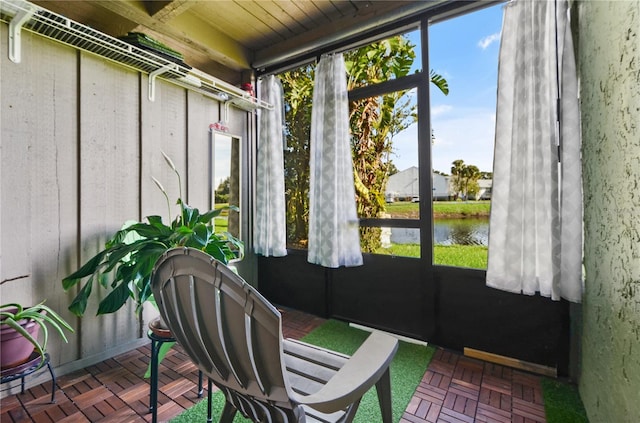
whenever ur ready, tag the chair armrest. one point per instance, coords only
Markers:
(356, 377)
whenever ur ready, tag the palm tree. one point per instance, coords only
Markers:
(457, 179)
(471, 174)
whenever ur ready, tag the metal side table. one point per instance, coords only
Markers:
(31, 366)
(156, 342)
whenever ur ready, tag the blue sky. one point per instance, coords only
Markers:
(465, 51)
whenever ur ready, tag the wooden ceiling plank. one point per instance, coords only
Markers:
(286, 14)
(327, 9)
(341, 7)
(314, 15)
(217, 45)
(256, 12)
(232, 20)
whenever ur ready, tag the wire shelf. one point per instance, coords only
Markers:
(59, 28)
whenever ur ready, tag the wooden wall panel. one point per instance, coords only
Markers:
(163, 129)
(109, 179)
(39, 176)
(79, 142)
(202, 112)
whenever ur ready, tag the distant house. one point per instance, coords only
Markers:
(441, 186)
(404, 186)
(485, 189)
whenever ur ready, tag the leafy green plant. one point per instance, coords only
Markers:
(126, 263)
(13, 314)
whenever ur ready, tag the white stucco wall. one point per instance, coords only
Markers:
(609, 62)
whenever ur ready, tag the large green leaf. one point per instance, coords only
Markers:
(440, 82)
(201, 236)
(216, 250)
(89, 268)
(120, 253)
(115, 300)
(156, 230)
(208, 216)
(79, 303)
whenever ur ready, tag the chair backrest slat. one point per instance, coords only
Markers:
(226, 326)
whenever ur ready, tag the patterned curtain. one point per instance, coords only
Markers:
(269, 229)
(334, 238)
(535, 229)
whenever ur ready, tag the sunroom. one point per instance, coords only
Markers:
(89, 117)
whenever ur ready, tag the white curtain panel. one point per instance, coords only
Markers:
(535, 232)
(334, 238)
(269, 231)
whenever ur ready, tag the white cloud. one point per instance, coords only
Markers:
(467, 134)
(488, 40)
(441, 109)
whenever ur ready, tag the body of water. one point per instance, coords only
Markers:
(468, 231)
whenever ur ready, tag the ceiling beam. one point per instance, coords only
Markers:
(165, 10)
(185, 30)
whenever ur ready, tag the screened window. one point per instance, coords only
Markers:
(422, 179)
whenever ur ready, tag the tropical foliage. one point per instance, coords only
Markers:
(374, 122)
(125, 265)
(298, 91)
(464, 179)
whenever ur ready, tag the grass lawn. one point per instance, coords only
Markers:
(221, 224)
(407, 210)
(470, 256)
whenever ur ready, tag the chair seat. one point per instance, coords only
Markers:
(310, 368)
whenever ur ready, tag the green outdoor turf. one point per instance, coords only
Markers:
(405, 209)
(407, 369)
(461, 208)
(470, 256)
(562, 403)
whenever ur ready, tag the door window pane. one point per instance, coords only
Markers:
(464, 51)
(384, 140)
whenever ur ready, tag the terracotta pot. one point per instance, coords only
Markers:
(159, 327)
(15, 349)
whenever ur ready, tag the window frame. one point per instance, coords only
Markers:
(419, 80)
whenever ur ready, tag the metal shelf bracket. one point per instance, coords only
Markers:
(15, 33)
(153, 75)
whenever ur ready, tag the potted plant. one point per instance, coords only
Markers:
(124, 266)
(19, 328)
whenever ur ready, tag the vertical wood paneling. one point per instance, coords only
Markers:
(39, 176)
(163, 130)
(202, 112)
(109, 185)
(79, 143)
